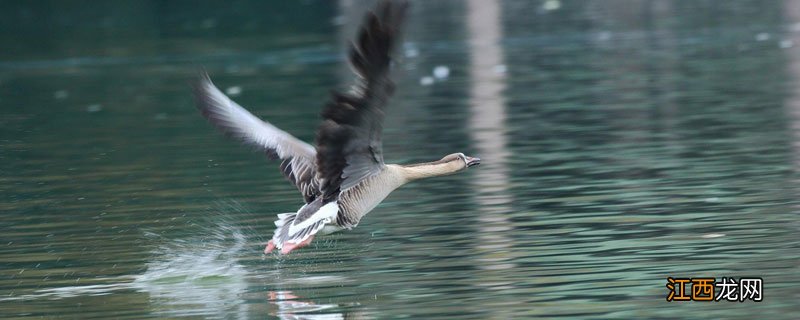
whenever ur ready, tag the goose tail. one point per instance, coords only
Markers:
(296, 228)
(283, 218)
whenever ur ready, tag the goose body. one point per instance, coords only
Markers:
(344, 177)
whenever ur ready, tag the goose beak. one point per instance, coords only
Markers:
(473, 161)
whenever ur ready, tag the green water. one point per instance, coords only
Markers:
(623, 142)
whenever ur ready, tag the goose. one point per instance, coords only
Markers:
(344, 177)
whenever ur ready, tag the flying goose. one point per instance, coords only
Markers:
(345, 176)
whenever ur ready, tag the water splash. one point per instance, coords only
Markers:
(198, 276)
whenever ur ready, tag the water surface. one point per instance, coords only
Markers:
(623, 142)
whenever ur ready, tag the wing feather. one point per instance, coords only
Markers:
(349, 146)
(298, 164)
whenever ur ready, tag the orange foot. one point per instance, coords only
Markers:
(270, 247)
(288, 247)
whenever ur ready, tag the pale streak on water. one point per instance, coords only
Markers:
(487, 128)
(625, 142)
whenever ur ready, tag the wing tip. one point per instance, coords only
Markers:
(370, 54)
(201, 78)
(203, 87)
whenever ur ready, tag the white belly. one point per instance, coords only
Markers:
(330, 228)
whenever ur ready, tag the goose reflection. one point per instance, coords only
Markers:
(289, 306)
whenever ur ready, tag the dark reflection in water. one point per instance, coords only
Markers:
(623, 142)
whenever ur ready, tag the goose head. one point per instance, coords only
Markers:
(461, 161)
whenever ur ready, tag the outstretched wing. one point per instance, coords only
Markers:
(298, 164)
(349, 146)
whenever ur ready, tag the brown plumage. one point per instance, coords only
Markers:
(344, 177)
